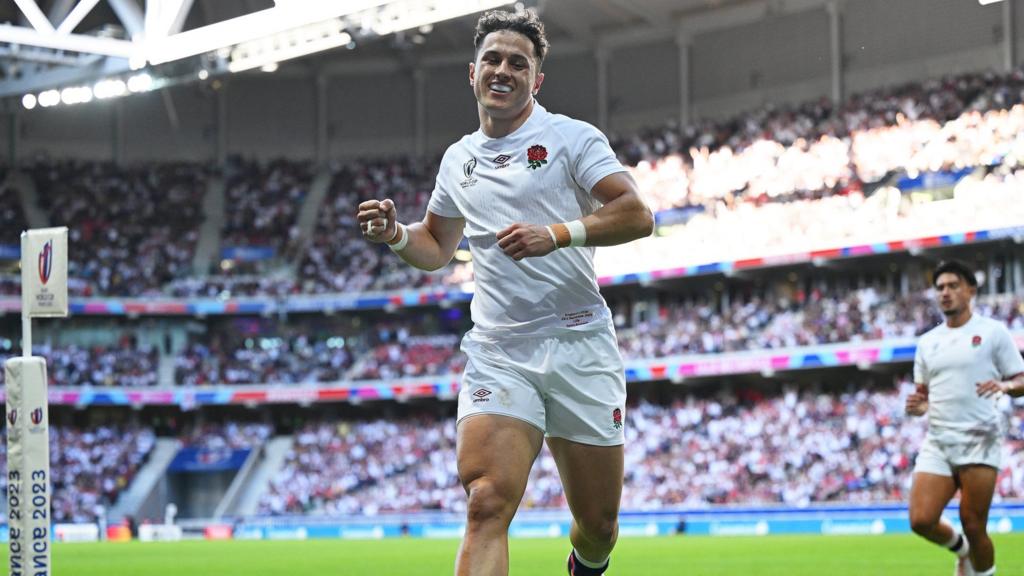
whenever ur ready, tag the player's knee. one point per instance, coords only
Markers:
(923, 524)
(599, 527)
(489, 502)
(973, 525)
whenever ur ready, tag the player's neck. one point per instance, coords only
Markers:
(959, 319)
(500, 127)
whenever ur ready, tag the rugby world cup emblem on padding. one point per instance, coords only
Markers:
(12, 417)
(46, 262)
(37, 416)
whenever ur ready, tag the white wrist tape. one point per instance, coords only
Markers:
(554, 239)
(577, 233)
(400, 245)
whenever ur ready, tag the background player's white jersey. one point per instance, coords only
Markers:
(540, 174)
(952, 361)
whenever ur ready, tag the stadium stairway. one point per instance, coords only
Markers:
(209, 233)
(165, 370)
(146, 481)
(235, 491)
(309, 212)
(29, 196)
(248, 500)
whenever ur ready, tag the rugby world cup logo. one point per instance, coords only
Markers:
(37, 416)
(12, 417)
(46, 262)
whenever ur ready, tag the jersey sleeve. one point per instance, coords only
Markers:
(441, 201)
(920, 368)
(593, 157)
(1007, 358)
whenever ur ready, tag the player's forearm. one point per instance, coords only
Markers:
(622, 220)
(422, 251)
(1015, 386)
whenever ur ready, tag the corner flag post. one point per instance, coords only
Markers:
(44, 293)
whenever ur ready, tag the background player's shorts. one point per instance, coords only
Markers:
(569, 386)
(942, 457)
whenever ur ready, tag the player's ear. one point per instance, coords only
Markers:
(538, 82)
(472, 73)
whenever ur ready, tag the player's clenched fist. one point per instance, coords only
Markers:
(917, 403)
(378, 220)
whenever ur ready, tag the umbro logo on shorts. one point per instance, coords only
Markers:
(481, 395)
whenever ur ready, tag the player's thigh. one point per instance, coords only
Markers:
(929, 495)
(977, 485)
(591, 477)
(499, 449)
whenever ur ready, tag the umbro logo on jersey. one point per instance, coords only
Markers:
(501, 160)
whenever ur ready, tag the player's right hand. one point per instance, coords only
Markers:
(378, 220)
(917, 403)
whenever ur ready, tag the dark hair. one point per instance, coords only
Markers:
(956, 267)
(525, 22)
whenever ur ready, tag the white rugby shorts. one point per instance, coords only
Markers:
(568, 386)
(943, 456)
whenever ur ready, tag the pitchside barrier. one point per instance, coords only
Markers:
(44, 293)
(828, 520)
(876, 520)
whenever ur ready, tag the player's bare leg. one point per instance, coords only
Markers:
(592, 479)
(928, 498)
(977, 484)
(495, 454)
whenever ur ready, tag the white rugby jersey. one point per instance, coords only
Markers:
(542, 173)
(951, 361)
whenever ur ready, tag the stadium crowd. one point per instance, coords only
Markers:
(698, 326)
(674, 325)
(816, 149)
(427, 344)
(263, 202)
(124, 363)
(815, 174)
(90, 467)
(793, 447)
(12, 215)
(339, 259)
(230, 435)
(133, 246)
(422, 345)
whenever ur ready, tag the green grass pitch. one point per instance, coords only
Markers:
(683, 556)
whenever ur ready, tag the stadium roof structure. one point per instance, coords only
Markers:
(55, 44)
